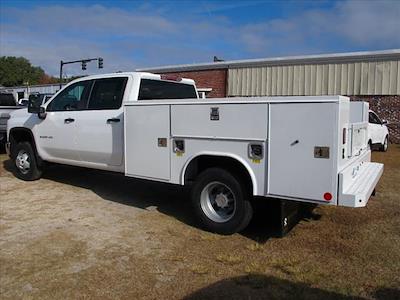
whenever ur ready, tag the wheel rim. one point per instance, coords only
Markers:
(23, 161)
(218, 202)
(385, 144)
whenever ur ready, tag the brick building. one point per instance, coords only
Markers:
(368, 76)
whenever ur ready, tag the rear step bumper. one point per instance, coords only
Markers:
(357, 183)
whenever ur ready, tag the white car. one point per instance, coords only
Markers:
(378, 133)
(23, 102)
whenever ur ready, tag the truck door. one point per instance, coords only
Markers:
(100, 126)
(56, 134)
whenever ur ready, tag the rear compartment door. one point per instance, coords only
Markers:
(302, 150)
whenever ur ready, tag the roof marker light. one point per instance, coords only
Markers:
(170, 77)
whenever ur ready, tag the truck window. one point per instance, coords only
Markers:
(107, 93)
(157, 89)
(373, 118)
(7, 100)
(73, 97)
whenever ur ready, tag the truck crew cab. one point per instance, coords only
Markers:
(230, 149)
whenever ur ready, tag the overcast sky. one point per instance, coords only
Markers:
(133, 34)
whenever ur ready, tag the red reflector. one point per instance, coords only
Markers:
(170, 77)
(328, 196)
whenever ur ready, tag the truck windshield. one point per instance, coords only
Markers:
(157, 89)
(7, 100)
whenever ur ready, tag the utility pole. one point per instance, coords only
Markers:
(82, 61)
(61, 66)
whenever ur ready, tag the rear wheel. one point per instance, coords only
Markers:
(221, 201)
(25, 162)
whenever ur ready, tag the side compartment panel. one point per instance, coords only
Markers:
(145, 154)
(297, 130)
(224, 121)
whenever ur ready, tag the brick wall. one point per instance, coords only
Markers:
(388, 108)
(215, 79)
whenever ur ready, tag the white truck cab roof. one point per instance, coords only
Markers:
(138, 75)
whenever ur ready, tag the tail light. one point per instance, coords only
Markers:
(328, 196)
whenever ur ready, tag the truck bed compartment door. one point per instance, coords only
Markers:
(303, 146)
(147, 141)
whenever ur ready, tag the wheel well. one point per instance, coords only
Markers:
(203, 162)
(18, 135)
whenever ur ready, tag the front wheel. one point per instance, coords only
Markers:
(25, 162)
(221, 201)
(384, 147)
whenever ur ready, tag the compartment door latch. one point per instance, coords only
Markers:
(214, 114)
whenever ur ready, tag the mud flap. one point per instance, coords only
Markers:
(290, 213)
(276, 217)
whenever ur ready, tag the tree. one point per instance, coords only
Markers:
(19, 71)
(46, 79)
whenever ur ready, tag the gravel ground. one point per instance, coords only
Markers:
(81, 233)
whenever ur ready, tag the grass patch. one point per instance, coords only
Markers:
(199, 269)
(254, 247)
(229, 259)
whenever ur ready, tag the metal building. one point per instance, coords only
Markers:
(320, 75)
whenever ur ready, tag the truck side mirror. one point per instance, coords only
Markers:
(384, 122)
(34, 105)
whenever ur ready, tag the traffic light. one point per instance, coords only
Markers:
(100, 61)
(84, 65)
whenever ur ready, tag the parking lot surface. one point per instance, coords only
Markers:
(80, 233)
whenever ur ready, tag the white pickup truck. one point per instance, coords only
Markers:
(230, 149)
(7, 105)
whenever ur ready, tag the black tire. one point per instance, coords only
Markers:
(232, 221)
(24, 151)
(384, 147)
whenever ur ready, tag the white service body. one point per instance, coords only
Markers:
(289, 128)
